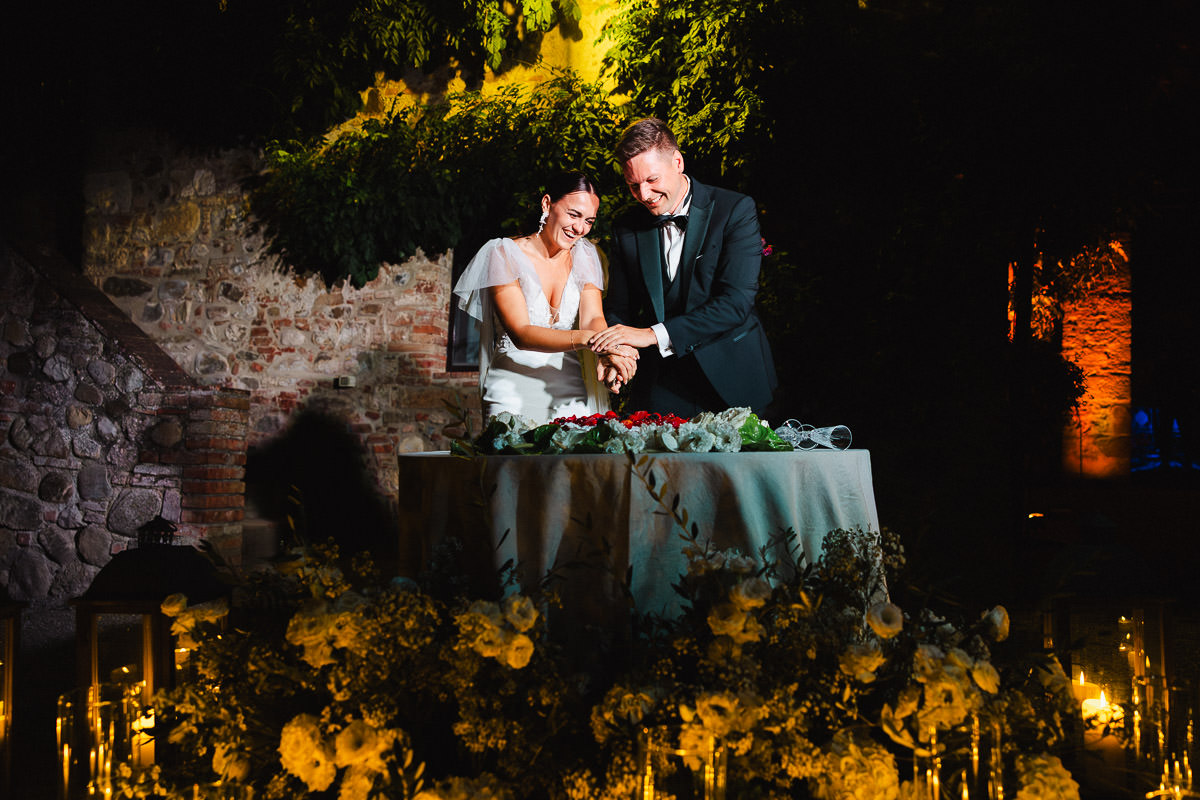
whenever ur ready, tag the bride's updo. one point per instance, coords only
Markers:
(560, 185)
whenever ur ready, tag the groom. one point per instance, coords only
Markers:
(681, 285)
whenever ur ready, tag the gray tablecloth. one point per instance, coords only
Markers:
(563, 512)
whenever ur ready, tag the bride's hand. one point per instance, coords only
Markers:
(607, 340)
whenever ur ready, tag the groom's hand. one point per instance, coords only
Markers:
(615, 370)
(608, 339)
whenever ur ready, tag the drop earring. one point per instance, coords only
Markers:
(542, 221)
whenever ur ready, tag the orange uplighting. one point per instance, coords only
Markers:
(1086, 303)
(1097, 334)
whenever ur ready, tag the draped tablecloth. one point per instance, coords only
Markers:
(578, 512)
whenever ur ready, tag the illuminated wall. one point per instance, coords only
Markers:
(1097, 335)
(575, 48)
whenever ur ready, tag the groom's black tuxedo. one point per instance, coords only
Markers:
(708, 310)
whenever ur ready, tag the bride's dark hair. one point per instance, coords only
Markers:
(565, 183)
(558, 186)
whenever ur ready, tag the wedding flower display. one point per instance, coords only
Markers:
(323, 679)
(730, 431)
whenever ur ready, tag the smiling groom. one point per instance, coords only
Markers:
(682, 279)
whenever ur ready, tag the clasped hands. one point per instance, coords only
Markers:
(617, 354)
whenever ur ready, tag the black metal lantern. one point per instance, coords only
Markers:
(121, 634)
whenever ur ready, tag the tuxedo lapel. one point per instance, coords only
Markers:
(697, 230)
(649, 248)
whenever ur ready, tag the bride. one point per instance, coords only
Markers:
(538, 301)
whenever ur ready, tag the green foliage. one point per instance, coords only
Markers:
(432, 176)
(327, 51)
(700, 65)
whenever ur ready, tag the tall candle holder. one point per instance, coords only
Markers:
(1166, 745)
(966, 761)
(95, 734)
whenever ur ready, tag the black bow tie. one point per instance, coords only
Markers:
(679, 220)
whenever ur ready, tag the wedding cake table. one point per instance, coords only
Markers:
(594, 515)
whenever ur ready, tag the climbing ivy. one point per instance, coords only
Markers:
(325, 52)
(432, 175)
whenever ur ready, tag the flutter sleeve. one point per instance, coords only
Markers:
(586, 268)
(493, 265)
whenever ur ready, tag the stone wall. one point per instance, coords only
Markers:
(101, 433)
(1098, 336)
(168, 238)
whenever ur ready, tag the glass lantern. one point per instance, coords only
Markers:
(121, 635)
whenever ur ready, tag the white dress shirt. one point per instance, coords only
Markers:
(672, 244)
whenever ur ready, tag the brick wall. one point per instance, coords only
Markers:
(168, 238)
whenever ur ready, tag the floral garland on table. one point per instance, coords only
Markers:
(730, 431)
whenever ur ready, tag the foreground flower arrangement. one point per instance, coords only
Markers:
(730, 431)
(326, 680)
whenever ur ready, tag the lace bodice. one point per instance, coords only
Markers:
(502, 261)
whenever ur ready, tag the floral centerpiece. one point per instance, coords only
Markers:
(730, 431)
(325, 680)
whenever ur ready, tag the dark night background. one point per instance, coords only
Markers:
(915, 152)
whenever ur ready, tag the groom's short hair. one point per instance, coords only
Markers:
(646, 134)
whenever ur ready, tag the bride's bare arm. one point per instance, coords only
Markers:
(509, 302)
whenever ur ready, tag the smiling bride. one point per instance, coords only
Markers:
(538, 302)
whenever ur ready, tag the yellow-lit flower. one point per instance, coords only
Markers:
(361, 744)
(927, 661)
(997, 621)
(311, 629)
(861, 660)
(304, 752)
(357, 783)
(488, 610)
(230, 763)
(726, 619)
(750, 593)
(986, 677)
(717, 713)
(485, 787)
(520, 612)
(518, 651)
(173, 604)
(1042, 776)
(957, 657)
(856, 770)
(886, 619)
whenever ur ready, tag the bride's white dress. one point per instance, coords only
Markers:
(540, 386)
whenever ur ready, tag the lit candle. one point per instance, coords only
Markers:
(143, 742)
(1101, 712)
(1084, 690)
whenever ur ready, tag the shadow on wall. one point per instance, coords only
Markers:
(315, 474)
